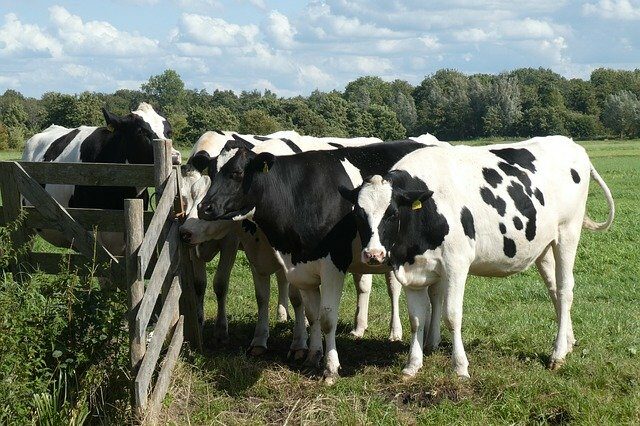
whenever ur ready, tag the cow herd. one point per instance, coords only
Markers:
(309, 210)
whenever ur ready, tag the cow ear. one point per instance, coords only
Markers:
(413, 198)
(112, 120)
(262, 162)
(201, 160)
(243, 142)
(351, 195)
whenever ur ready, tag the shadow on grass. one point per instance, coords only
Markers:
(236, 371)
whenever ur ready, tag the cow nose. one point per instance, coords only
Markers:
(176, 158)
(185, 235)
(373, 256)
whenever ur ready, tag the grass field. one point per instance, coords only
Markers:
(508, 331)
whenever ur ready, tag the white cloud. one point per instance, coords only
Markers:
(312, 76)
(97, 38)
(280, 30)
(625, 10)
(216, 31)
(472, 35)
(18, 39)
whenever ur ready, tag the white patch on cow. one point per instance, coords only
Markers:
(151, 117)
(224, 157)
(248, 215)
(353, 172)
(429, 139)
(374, 198)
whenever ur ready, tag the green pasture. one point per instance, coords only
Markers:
(508, 331)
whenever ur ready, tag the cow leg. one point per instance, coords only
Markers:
(417, 302)
(332, 283)
(200, 282)
(546, 265)
(228, 252)
(262, 288)
(283, 294)
(564, 253)
(436, 297)
(453, 296)
(311, 299)
(393, 289)
(363, 290)
(298, 346)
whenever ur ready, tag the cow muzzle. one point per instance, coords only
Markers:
(373, 256)
(176, 158)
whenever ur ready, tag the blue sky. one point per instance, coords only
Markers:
(294, 47)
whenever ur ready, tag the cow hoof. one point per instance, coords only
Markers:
(313, 360)
(464, 377)
(555, 364)
(358, 333)
(406, 377)
(256, 351)
(393, 337)
(408, 373)
(297, 355)
(329, 378)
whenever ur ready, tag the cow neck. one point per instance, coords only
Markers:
(104, 146)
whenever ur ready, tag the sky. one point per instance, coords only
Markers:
(294, 47)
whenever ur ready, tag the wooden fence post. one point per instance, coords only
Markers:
(133, 216)
(162, 162)
(12, 207)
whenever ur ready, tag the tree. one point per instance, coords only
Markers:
(621, 114)
(203, 118)
(385, 123)
(255, 121)
(58, 109)
(365, 91)
(166, 89)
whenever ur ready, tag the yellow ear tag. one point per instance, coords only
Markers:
(110, 128)
(416, 205)
(265, 169)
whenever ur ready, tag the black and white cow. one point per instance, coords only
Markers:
(295, 201)
(126, 139)
(211, 236)
(442, 214)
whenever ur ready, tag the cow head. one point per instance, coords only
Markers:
(382, 209)
(229, 196)
(138, 129)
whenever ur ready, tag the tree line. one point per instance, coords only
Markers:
(449, 104)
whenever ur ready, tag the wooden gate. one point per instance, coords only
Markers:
(156, 254)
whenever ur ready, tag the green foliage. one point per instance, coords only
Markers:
(621, 114)
(385, 123)
(166, 89)
(203, 118)
(255, 121)
(55, 409)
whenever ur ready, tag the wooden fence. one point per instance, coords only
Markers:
(156, 254)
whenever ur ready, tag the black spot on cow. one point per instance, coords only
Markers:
(261, 138)
(59, 145)
(503, 228)
(494, 201)
(466, 218)
(292, 146)
(492, 176)
(525, 206)
(539, 196)
(517, 222)
(220, 132)
(336, 145)
(509, 247)
(167, 131)
(575, 176)
(517, 156)
(249, 227)
(510, 170)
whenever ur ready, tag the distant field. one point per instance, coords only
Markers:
(508, 331)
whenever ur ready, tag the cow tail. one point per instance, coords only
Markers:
(588, 223)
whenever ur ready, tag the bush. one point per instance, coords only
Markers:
(581, 126)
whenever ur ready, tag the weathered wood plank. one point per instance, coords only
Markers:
(54, 263)
(163, 210)
(104, 220)
(135, 286)
(83, 241)
(166, 264)
(91, 174)
(12, 207)
(165, 322)
(162, 163)
(164, 377)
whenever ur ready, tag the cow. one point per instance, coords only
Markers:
(263, 262)
(294, 201)
(441, 214)
(124, 139)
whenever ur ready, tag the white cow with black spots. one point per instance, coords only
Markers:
(441, 214)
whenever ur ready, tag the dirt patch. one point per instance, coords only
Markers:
(454, 391)
(553, 416)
